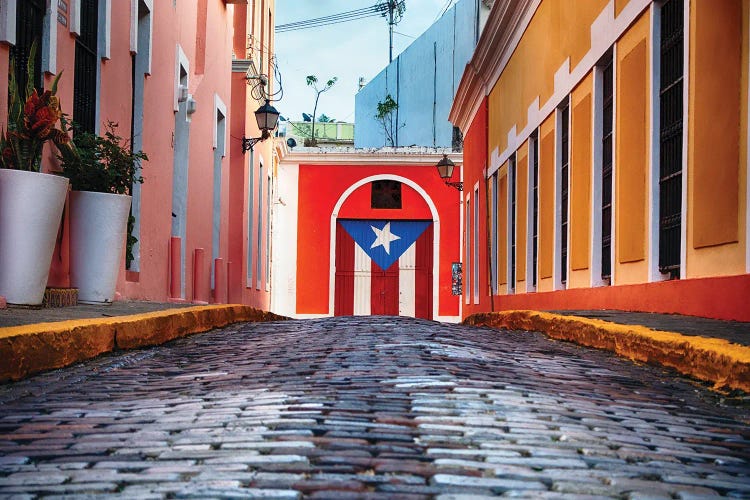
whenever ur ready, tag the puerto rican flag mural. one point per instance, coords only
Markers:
(384, 267)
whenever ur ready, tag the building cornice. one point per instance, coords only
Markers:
(506, 24)
(383, 156)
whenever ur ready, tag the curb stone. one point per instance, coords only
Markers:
(29, 349)
(718, 361)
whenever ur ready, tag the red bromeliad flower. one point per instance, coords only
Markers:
(41, 114)
(33, 120)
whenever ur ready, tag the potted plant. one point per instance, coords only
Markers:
(101, 170)
(31, 202)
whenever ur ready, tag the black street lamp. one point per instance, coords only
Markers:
(267, 117)
(445, 170)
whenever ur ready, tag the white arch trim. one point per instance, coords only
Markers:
(435, 236)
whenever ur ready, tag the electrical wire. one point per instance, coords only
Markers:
(445, 9)
(352, 15)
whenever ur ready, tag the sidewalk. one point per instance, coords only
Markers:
(710, 350)
(33, 340)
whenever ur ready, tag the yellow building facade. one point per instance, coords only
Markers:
(615, 163)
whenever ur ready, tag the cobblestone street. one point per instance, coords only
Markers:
(369, 407)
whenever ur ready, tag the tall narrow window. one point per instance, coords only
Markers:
(141, 66)
(607, 155)
(29, 26)
(564, 164)
(84, 84)
(467, 249)
(493, 248)
(670, 152)
(476, 246)
(534, 154)
(512, 222)
(250, 216)
(259, 249)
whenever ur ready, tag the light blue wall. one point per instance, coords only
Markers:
(423, 80)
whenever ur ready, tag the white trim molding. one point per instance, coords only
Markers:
(685, 129)
(135, 27)
(105, 35)
(220, 107)
(181, 62)
(532, 150)
(597, 160)
(75, 17)
(8, 21)
(49, 40)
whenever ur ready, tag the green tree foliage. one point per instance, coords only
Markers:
(386, 116)
(312, 81)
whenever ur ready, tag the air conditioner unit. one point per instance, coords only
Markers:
(182, 93)
(192, 105)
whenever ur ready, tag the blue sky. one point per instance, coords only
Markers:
(346, 50)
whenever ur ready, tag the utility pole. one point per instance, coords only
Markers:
(394, 9)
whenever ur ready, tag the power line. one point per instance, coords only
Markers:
(342, 17)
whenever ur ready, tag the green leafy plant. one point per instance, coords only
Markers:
(104, 164)
(32, 120)
(312, 81)
(386, 111)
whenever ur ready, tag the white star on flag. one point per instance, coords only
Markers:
(384, 237)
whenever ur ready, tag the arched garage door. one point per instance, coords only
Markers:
(384, 267)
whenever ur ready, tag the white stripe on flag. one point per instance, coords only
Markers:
(407, 282)
(362, 282)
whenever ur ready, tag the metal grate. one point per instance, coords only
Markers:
(512, 239)
(670, 152)
(84, 85)
(564, 143)
(29, 26)
(607, 153)
(535, 187)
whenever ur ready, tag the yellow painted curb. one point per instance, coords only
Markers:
(29, 349)
(718, 361)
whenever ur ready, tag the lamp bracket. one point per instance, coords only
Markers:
(457, 185)
(248, 143)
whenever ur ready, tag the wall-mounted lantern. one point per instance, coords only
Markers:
(267, 117)
(445, 169)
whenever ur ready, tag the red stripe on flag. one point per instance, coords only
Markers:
(344, 298)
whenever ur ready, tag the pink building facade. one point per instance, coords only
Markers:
(180, 78)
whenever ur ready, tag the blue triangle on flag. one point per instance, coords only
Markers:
(385, 241)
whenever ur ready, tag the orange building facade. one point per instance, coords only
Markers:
(606, 157)
(181, 78)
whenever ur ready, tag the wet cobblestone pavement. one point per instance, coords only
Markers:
(369, 407)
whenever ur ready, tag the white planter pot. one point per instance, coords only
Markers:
(31, 205)
(98, 228)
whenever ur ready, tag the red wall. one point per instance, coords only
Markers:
(475, 162)
(321, 186)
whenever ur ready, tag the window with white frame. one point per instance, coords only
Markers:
(671, 69)
(512, 223)
(493, 241)
(250, 216)
(259, 248)
(86, 67)
(475, 244)
(467, 249)
(564, 188)
(534, 198)
(607, 158)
